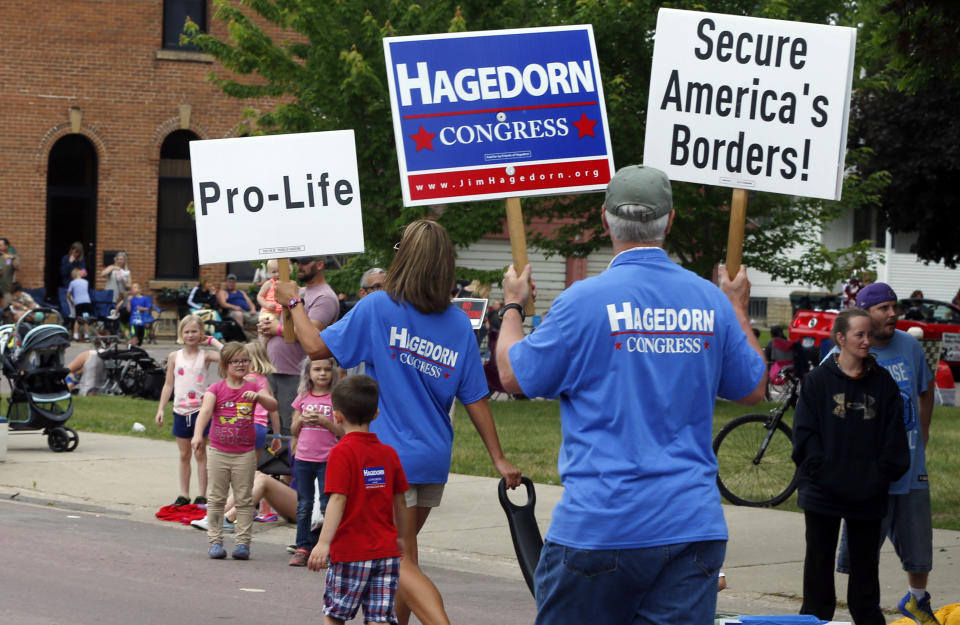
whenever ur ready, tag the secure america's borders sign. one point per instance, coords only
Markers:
(496, 114)
(750, 103)
(276, 196)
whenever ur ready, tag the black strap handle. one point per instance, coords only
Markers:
(527, 541)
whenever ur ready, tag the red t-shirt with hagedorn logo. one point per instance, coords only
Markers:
(369, 474)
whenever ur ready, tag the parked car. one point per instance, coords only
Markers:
(934, 317)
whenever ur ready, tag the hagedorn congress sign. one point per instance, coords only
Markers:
(276, 196)
(498, 114)
(750, 103)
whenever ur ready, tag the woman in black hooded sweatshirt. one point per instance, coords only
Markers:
(849, 444)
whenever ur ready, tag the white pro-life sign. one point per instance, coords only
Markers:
(750, 103)
(276, 196)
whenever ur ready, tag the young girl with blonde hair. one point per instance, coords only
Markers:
(187, 379)
(232, 457)
(260, 367)
(316, 433)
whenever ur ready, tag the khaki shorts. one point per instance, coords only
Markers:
(424, 495)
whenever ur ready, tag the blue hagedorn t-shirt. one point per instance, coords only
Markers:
(637, 356)
(421, 363)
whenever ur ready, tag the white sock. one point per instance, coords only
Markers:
(919, 593)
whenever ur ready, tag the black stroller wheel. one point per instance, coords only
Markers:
(73, 439)
(57, 439)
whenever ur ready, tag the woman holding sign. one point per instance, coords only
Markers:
(423, 353)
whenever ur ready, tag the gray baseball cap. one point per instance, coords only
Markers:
(638, 185)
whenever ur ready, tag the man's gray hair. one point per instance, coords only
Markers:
(636, 231)
(373, 271)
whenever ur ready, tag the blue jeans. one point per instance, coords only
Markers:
(305, 472)
(909, 526)
(650, 586)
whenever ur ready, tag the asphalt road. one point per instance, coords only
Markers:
(60, 566)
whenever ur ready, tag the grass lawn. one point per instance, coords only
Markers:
(530, 435)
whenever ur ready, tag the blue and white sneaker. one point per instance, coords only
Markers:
(241, 552)
(919, 611)
(217, 552)
(201, 524)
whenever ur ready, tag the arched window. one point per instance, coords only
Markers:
(71, 205)
(176, 230)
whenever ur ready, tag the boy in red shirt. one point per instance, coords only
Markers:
(362, 527)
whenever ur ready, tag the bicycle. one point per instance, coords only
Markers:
(755, 467)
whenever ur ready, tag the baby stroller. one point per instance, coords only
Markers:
(224, 329)
(131, 371)
(32, 352)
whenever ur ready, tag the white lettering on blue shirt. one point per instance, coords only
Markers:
(400, 338)
(493, 83)
(626, 318)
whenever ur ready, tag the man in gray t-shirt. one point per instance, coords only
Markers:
(322, 308)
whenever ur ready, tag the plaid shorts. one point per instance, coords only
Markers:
(372, 583)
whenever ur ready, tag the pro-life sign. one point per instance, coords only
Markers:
(498, 114)
(750, 103)
(276, 196)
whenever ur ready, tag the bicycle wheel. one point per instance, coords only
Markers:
(743, 480)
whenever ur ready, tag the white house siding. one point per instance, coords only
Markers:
(549, 274)
(905, 274)
(599, 260)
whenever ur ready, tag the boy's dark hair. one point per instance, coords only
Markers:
(356, 397)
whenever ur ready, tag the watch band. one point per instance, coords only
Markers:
(293, 302)
(516, 307)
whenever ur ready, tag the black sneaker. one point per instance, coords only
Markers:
(182, 501)
(200, 501)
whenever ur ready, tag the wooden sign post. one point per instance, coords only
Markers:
(738, 219)
(289, 334)
(518, 241)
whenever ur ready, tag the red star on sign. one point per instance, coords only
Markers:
(706, 345)
(619, 345)
(584, 126)
(424, 139)
(446, 375)
(394, 355)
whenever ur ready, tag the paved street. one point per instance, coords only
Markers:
(71, 567)
(62, 563)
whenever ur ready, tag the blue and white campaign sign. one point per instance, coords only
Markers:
(750, 103)
(276, 196)
(496, 114)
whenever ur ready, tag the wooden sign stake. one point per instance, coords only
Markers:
(289, 334)
(518, 240)
(738, 219)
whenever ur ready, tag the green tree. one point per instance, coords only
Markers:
(906, 112)
(328, 72)
(778, 226)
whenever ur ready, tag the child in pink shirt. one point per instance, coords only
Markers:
(316, 433)
(232, 457)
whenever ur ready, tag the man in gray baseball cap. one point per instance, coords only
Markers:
(638, 356)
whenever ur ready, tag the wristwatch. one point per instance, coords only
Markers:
(516, 307)
(293, 302)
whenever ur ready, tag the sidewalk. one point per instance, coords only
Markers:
(132, 477)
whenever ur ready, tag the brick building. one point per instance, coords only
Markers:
(97, 105)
